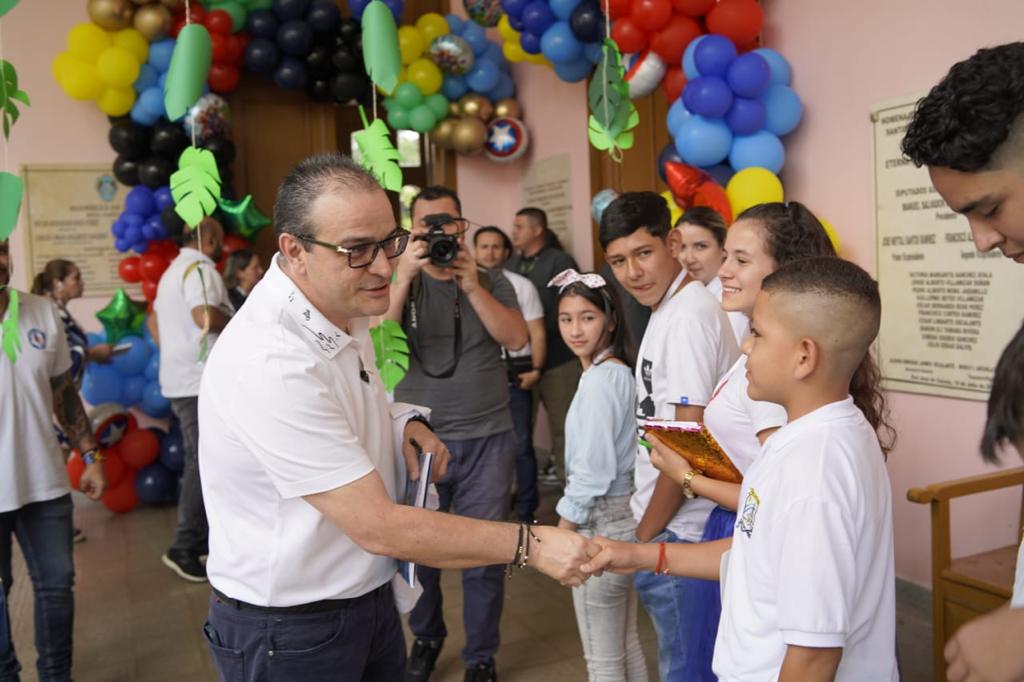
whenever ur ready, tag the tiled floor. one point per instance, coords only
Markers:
(136, 621)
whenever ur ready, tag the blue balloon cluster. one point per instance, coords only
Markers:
(489, 75)
(149, 105)
(567, 32)
(131, 378)
(140, 222)
(734, 108)
(396, 7)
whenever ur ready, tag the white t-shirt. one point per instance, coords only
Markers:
(811, 562)
(735, 420)
(529, 305)
(179, 291)
(31, 461)
(1018, 582)
(289, 406)
(739, 321)
(687, 346)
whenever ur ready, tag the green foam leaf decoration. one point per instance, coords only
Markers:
(380, 46)
(391, 348)
(6, 6)
(190, 65)
(616, 139)
(12, 188)
(379, 155)
(9, 95)
(195, 186)
(10, 333)
(608, 92)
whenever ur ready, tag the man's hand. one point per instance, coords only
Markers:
(615, 556)
(415, 256)
(101, 353)
(559, 553)
(94, 481)
(429, 442)
(528, 380)
(666, 460)
(988, 648)
(465, 270)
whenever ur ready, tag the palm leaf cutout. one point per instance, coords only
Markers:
(12, 188)
(381, 55)
(619, 138)
(6, 6)
(391, 348)
(379, 155)
(195, 186)
(10, 335)
(608, 91)
(9, 94)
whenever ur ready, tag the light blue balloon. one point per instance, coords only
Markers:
(784, 109)
(141, 116)
(152, 371)
(134, 360)
(506, 87)
(162, 82)
(677, 113)
(703, 141)
(573, 72)
(494, 54)
(148, 77)
(484, 76)
(476, 37)
(160, 54)
(92, 338)
(455, 23)
(102, 384)
(563, 8)
(593, 52)
(762, 149)
(131, 393)
(153, 402)
(152, 102)
(782, 72)
(689, 65)
(454, 87)
(560, 45)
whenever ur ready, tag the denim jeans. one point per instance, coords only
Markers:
(606, 606)
(44, 531)
(660, 596)
(521, 405)
(362, 641)
(192, 532)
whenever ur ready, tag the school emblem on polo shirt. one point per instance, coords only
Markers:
(750, 507)
(37, 338)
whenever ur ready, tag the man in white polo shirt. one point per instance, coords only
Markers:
(35, 503)
(192, 307)
(300, 455)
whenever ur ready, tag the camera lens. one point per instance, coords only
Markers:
(443, 251)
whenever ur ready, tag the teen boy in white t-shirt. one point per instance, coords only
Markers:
(809, 585)
(687, 346)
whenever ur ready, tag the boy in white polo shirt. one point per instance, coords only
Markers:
(808, 588)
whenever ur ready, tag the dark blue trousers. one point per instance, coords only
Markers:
(520, 403)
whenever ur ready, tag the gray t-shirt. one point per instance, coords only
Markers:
(473, 402)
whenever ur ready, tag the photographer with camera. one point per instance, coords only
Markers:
(457, 318)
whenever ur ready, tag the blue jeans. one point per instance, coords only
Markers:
(476, 485)
(44, 531)
(361, 641)
(521, 405)
(660, 596)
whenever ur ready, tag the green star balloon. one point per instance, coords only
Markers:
(242, 216)
(122, 317)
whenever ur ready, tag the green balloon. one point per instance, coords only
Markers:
(408, 96)
(190, 65)
(438, 104)
(389, 103)
(422, 119)
(122, 317)
(237, 12)
(399, 118)
(242, 216)
(254, 5)
(380, 46)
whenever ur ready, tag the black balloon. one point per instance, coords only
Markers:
(172, 222)
(320, 90)
(223, 149)
(349, 30)
(126, 171)
(295, 38)
(587, 22)
(318, 61)
(346, 87)
(129, 140)
(290, 74)
(262, 24)
(155, 171)
(323, 16)
(261, 55)
(169, 140)
(290, 9)
(346, 60)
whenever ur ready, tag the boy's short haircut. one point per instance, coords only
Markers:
(630, 212)
(1005, 423)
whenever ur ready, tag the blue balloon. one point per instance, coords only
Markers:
(703, 141)
(133, 360)
(153, 402)
(506, 87)
(494, 54)
(132, 235)
(323, 16)
(529, 42)
(160, 54)
(290, 74)
(749, 75)
(593, 52)
(118, 228)
(131, 394)
(707, 96)
(140, 200)
(573, 72)
(141, 116)
(475, 35)
(454, 87)
(689, 66)
(668, 155)
(761, 149)
(92, 338)
(483, 77)
(101, 384)
(516, 23)
(745, 116)
(261, 55)
(782, 72)
(151, 231)
(455, 23)
(537, 17)
(172, 449)
(784, 109)
(295, 38)
(357, 7)
(148, 76)
(151, 101)
(122, 245)
(396, 7)
(514, 9)
(721, 173)
(677, 113)
(152, 371)
(563, 8)
(290, 9)
(713, 54)
(560, 45)
(155, 484)
(262, 23)
(163, 82)
(163, 198)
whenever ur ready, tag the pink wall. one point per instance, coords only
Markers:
(848, 56)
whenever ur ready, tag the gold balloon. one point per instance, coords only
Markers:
(477, 106)
(507, 108)
(443, 133)
(454, 109)
(469, 135)
(172, 5)
(112, 15)
(153, 22)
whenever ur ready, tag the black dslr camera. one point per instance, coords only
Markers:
(442, 248)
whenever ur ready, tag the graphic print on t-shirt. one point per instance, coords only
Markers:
(645, 408)
(749, 515)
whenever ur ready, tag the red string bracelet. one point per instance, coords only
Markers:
(661, 568)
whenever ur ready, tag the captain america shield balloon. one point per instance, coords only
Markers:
(507, 139)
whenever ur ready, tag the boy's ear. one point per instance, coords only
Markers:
(808, 356)
(675, 241)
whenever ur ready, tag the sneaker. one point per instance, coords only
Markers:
(185, 564)
(422, 659)
(481, 672)
(549, 477)
(78, 537)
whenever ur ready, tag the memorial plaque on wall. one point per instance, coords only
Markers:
(547, 184)
(68, 212)
(948, 310)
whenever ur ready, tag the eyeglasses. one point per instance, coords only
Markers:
(361, 255)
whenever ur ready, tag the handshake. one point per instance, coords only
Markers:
(570, 558)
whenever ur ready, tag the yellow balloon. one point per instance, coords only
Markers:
(116, 101)
(537, 59)
(60, 62)
(753, 186)
(80, 80)
(673, 208)
(513, 51)
(117, 67)
(833, 236)
(410, 44)
(432, 25)
(425, 75)
(505, 29)
(86, 41)
(132, 40)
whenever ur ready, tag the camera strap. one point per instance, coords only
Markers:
(449, 371)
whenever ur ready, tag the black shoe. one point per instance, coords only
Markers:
(422, 659)
(78, 537)
(481, 672)
(185, 564)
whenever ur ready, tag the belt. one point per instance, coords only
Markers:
(322, 606)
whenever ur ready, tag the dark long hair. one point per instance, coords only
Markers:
(55, 271)
(1005, 422)
(607, 299)
(791, 232)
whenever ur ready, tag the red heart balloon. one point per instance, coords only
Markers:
(712, 195)
(683, 181)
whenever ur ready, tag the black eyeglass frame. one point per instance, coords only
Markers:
(400, 235)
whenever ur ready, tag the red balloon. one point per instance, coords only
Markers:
(234, 242)
(121, 498)
(113, 467)
(747, 47)
(670, 42)
(152, 266)
(75, 468)
(218, 21)
(651, 15)
(139, 448)
(128, 269)
(197, 14)
(693, 8)
(176, 26)
(164, 247)
(218, 46)
(149, 290)
(628, 36)
(673, 83)
(738, 20)
(618, 9)
(235, 48)
(223, 77)
(683, 180)
(712, 195)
